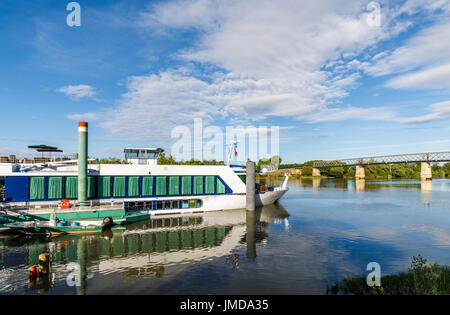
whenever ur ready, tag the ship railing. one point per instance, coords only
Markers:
(26, 207)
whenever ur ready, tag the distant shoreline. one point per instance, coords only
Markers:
(331, 177)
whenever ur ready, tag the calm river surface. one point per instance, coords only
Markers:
(319, 233)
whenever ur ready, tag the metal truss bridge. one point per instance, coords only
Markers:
(387, 159)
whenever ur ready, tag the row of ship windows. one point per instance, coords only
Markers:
(164, 204)
(59, 187)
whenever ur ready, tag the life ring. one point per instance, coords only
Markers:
(65, 204)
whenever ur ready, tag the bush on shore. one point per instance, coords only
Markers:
(421, 278)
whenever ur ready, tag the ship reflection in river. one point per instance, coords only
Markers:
(165, 246)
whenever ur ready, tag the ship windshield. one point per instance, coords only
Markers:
(141, 154)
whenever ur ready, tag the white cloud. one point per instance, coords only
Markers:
(335, 114)
(325, 135)
(268, 59)
(437, 77)
(429, 46)
(423, 60)
(439, 111)
(199, 13)
(77, 92)
(155, 103)
(84, 117)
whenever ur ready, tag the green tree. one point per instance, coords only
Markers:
(337, 172)
(446, 169)
(437, 171)
(164, 160)
(398, 171)
(293, 165)
(193, 162)
(274, 160)
(110, 160)
(307, 171)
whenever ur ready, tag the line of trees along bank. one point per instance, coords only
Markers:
(410, 170)
(169, 160)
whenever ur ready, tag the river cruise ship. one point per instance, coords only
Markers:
(35, 191)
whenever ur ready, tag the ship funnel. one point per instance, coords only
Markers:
(82, 162)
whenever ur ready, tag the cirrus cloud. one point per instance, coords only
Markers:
(77, 92)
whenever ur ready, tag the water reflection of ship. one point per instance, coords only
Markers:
(159, 247)
(213, 235)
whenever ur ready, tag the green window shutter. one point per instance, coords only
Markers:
(198, 185)
(220, 187)
(119, 186)
(71, 187)
(104, 186)
(147, 186)
(54, 187)
(186, 188)
(160, 185)
(91, 187)
(209, 184)
(37, 188)
(133, 186)
(174, 185)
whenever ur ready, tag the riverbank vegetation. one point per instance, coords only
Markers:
(169, 160)
(421, 278)
(407, 170)
(111, 160)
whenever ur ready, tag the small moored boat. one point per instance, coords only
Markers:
(50, 228)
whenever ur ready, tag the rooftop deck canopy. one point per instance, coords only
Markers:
(44, 148)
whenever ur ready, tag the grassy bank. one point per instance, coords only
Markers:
(421, 278)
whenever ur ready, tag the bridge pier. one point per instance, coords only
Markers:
(360, 172)
(315, 172)
(425, 171)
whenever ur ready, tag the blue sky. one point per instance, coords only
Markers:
(337, 86)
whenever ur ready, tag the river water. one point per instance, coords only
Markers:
(320, 232)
